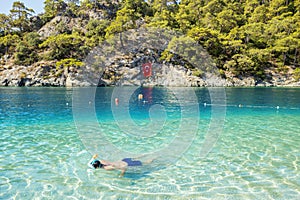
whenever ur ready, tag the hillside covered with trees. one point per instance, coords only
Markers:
(246, 38)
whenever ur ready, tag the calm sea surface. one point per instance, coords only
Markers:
(47, 135)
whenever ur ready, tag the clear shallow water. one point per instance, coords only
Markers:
(256, 156)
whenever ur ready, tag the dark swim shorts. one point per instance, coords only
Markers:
(131, 162)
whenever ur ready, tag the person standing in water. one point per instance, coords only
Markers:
(121, 165)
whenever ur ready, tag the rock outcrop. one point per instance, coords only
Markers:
(126, 72)
(39, 74)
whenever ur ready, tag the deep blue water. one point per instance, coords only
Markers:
(48, 105)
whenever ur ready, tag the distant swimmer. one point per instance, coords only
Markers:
(140, 96)
(122, 165)
(116, 101)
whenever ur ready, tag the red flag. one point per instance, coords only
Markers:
(147, 69)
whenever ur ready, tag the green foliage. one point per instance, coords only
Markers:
(184, 47)
(123, 22)
(96, 31)
(69, 62)
(243, 37)
(20, 16)
(53, 8)
(240, 65)
(130, 11)
(64, 46)
(197, 72)
(188, 14)
(24, 55)
(208, 38)
(222, 73)
(296, 74)
(26, 51)
(164, 14)
(33, 39)
(8, 43)
(4, 24)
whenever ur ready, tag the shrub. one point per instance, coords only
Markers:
(296, 74)
(197, 72)
(69, 62)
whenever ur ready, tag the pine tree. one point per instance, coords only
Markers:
(52, 8)
(20, 16)
(4, 24)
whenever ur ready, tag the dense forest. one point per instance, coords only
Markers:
(244, 37)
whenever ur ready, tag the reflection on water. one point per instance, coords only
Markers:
(256, 156)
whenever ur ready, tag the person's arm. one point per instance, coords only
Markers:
(109, 167)
(105, 162)
(89, 164)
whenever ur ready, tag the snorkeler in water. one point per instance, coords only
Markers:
(116, 165)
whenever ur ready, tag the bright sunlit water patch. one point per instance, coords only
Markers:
(256, 156)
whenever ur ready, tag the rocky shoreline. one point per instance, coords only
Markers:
(47, 74)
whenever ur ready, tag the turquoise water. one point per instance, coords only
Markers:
(45, 146)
